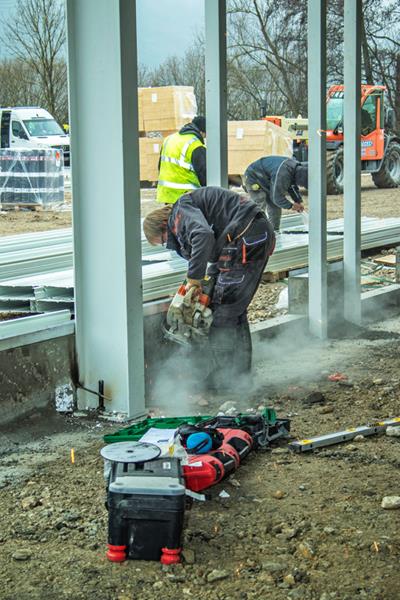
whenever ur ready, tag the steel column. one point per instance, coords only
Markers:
(215, 54)
(317, 309)
(352, 163)
(106, 201)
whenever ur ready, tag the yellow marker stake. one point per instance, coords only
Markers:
(72, 456)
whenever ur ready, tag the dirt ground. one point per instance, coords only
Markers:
(375, 203)
(293, 527)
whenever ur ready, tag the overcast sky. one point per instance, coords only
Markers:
(167, 27)
(164, 27)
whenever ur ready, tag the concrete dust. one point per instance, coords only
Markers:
(293, 527)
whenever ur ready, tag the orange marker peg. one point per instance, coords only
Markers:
(72, 456)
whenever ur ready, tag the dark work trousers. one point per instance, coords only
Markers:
(262, 199)
(238, 272)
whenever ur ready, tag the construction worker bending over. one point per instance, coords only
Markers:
(270, 178)
(217, 226)
(182, 165)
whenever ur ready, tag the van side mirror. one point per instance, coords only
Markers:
(22, 135)
(390, 121)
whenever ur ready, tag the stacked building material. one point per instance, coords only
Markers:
(162, 110)
(31, 177)
(250, 140)
(52, 288)
(149, 151)
(166, 109)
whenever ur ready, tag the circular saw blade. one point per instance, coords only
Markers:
(130, 452)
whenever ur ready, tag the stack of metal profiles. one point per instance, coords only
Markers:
(35, 253)
(36, 269)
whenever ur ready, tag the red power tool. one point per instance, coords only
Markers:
(205, 470)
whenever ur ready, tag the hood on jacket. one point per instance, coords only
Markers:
(190, 128)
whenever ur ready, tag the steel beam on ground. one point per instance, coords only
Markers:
(317, 254)
(352, 163)
(215, 55)
(105, 166)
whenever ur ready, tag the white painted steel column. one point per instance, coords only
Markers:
(106, 201)
(215, 26)
(317, 308)
(352, 163)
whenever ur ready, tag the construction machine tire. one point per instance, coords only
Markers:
(388, 175)
(334, 172)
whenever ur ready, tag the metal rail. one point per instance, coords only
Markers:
(34, 278)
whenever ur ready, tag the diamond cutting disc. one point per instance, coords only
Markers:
(130, 452)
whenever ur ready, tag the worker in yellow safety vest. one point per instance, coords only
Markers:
(182, 165)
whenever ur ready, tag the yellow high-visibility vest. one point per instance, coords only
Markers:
(177, 175)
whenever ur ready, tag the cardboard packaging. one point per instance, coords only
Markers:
(167, 108)
(149, 149)
(140, 110)
(250, 140)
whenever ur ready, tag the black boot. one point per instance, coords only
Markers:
(230, 357)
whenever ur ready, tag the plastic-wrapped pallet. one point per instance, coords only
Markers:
(167, 108)
(30, 178)
(250, 140)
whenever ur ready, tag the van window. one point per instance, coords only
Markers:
(40, 127)
(18, 130)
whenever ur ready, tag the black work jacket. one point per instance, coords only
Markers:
(276, 176)
(201, 221)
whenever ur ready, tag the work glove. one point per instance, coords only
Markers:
(193, 283)
(297, 207)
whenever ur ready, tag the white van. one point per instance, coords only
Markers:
(32, 127)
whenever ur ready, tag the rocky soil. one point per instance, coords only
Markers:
(306, 527)
(291, 527)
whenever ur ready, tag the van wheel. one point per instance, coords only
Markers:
(334, 172)
(388, 175)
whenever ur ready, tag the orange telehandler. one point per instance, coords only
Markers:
(380, 145)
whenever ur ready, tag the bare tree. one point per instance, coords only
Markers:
(18, 84)
(268, 38)
(186, 70)
(36, 36)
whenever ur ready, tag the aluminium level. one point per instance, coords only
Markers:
(338, 437)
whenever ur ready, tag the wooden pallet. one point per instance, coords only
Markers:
(389, 260)
(270, 277)
(19, 206)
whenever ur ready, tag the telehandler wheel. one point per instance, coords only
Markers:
(388, 175)
(334, 172)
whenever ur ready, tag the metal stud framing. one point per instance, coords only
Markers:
(216, 94)
(352, 163)
(106, 209)
(317, 167)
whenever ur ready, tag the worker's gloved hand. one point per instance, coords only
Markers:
(297, 207)
(193, 283)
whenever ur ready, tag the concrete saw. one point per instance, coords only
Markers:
(189, 315)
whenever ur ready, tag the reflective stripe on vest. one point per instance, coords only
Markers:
(179, 186)
(177, 161)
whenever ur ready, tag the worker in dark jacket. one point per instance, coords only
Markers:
(268, 180)
(182, 166)
(230, 233)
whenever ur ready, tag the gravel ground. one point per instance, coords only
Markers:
(294, 526)
(305, 527)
